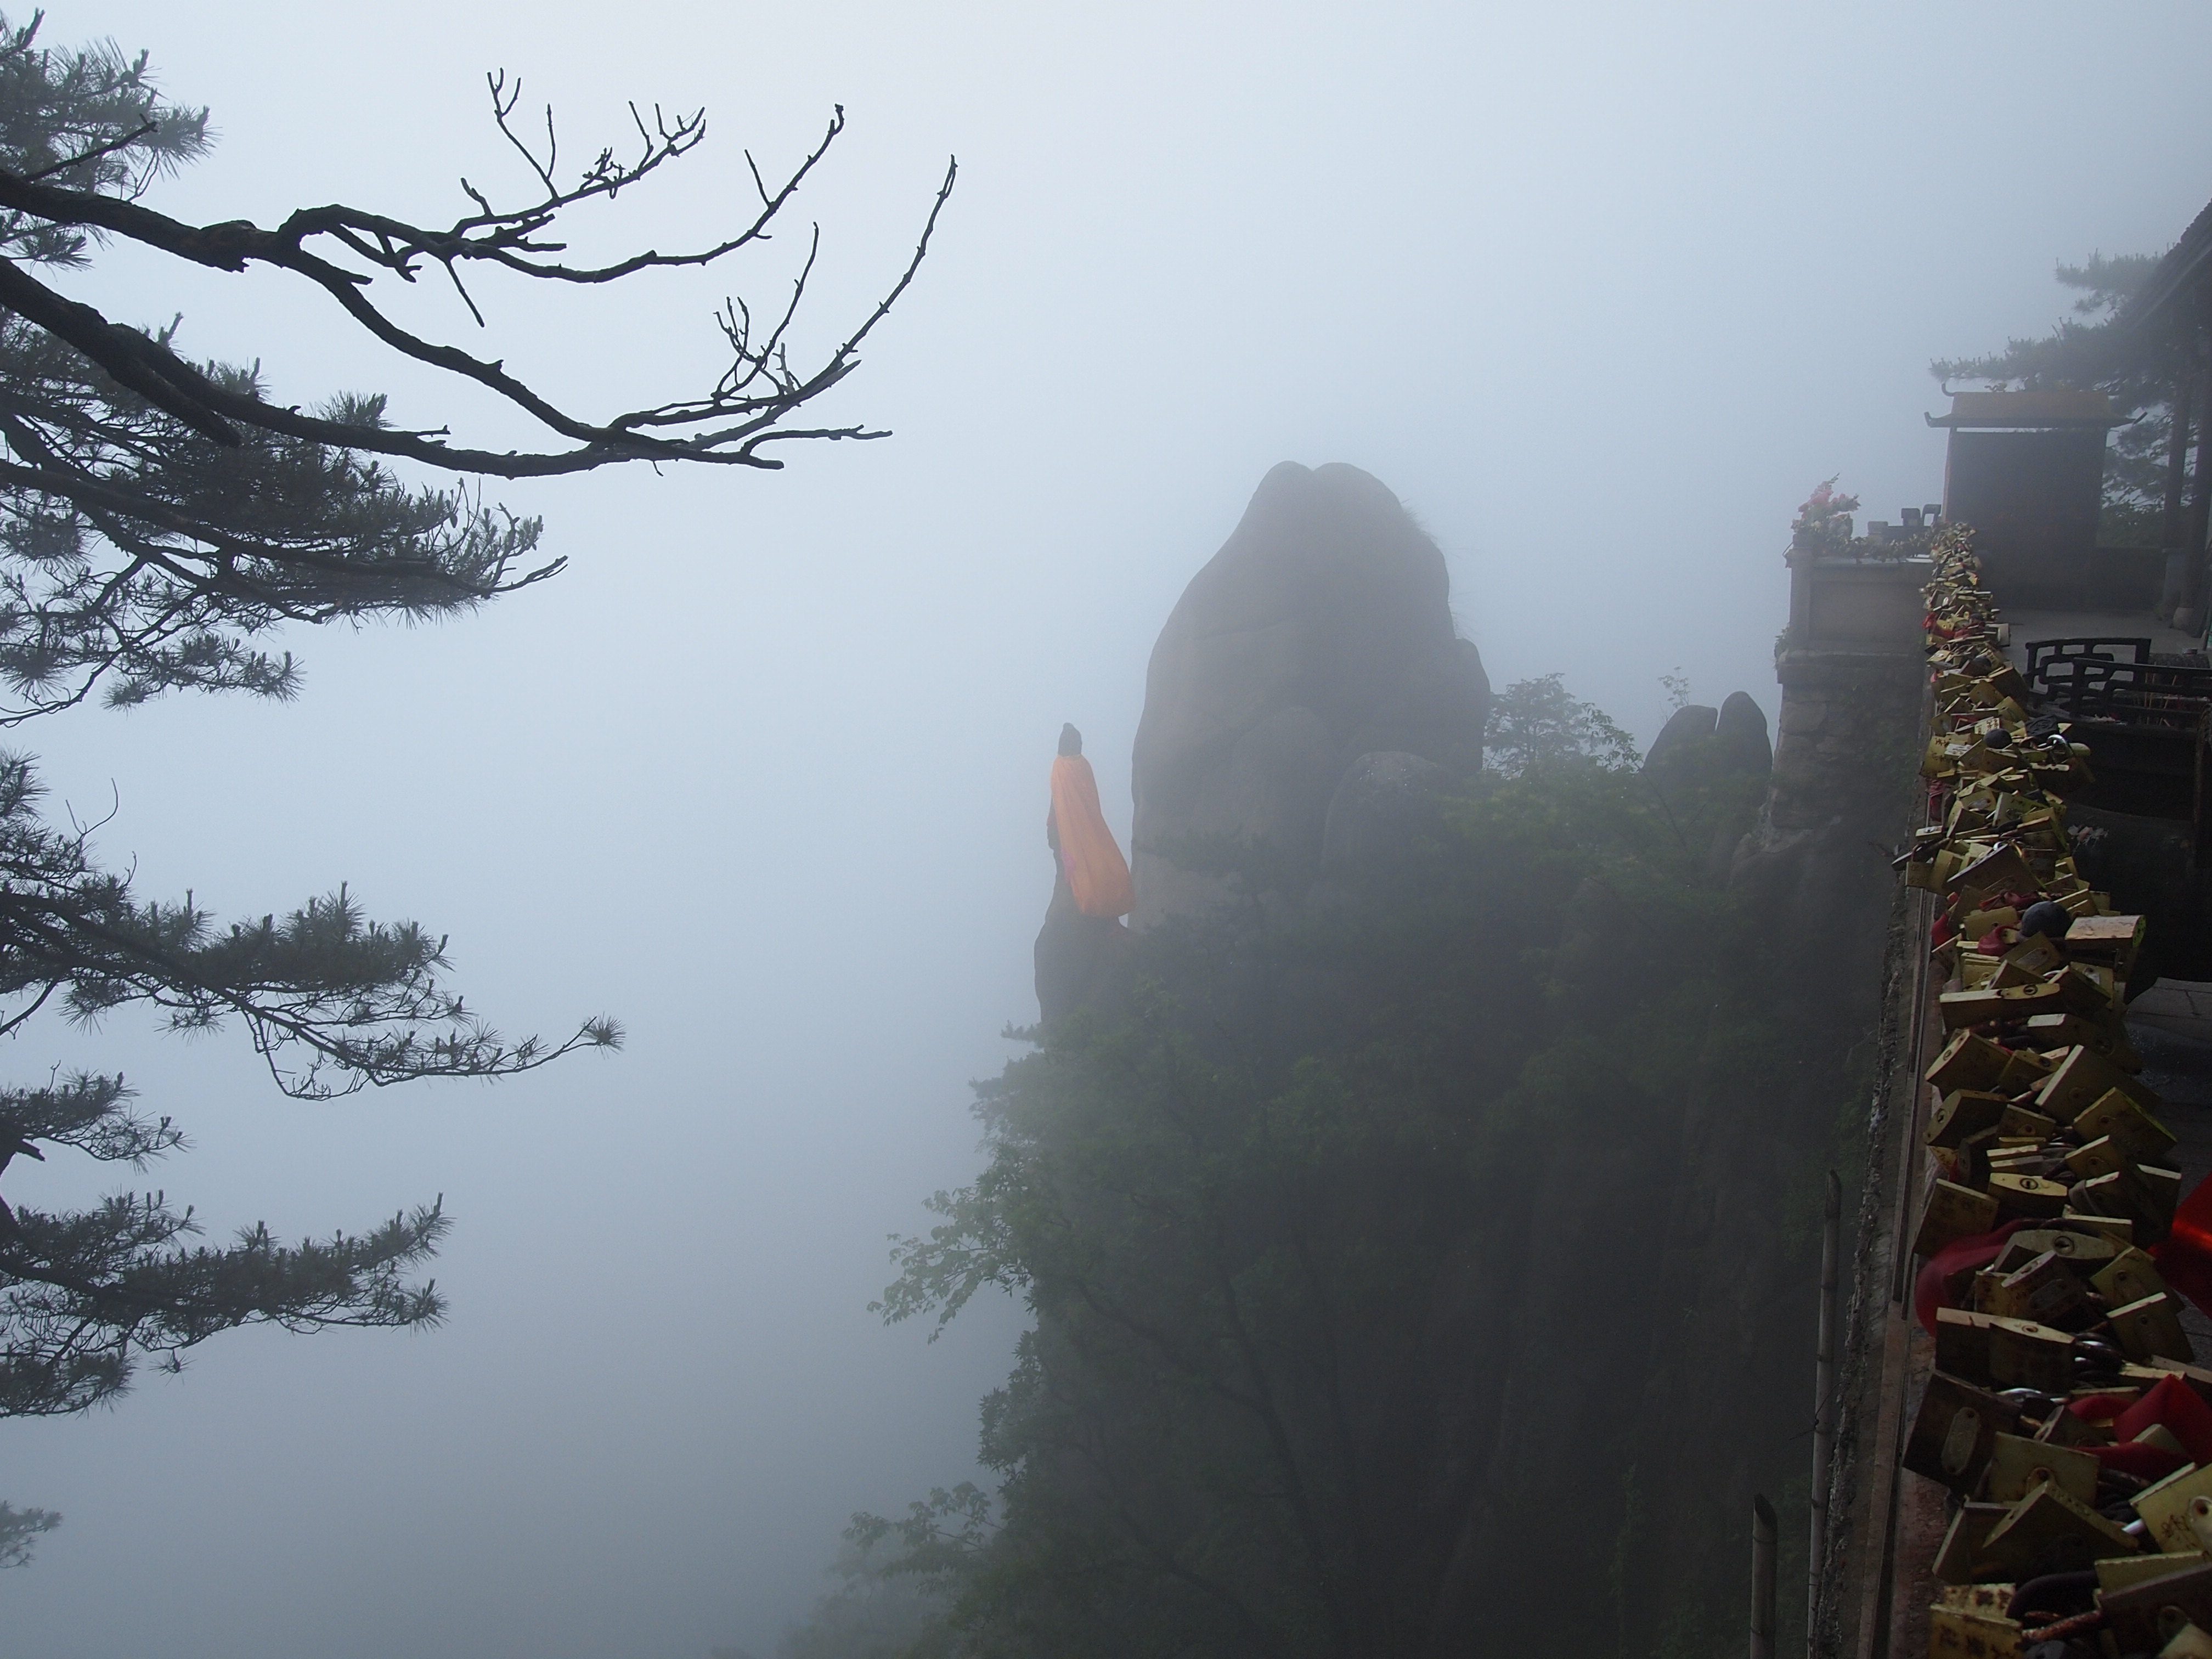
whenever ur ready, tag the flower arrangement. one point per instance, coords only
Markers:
(1823, 524)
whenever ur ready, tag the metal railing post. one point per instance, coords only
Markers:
(1824, 1392)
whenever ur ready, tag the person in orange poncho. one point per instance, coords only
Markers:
(1082, 934)
(1090, 861)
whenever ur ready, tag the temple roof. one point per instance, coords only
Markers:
(2040, 410)
(2182, 271)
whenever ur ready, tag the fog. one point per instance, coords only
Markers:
(1600, 291)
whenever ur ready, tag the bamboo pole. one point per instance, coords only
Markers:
(2177, 463)
(2173, 520)
(2200, 512)
(1762, 1579)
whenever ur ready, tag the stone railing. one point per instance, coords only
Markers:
(1853, 605)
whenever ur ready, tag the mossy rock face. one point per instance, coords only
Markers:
(1385, 799)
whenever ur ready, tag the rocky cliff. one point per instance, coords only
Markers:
(1307, 685)
(1618, 1351)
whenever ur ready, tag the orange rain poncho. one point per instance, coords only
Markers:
(1096, 872)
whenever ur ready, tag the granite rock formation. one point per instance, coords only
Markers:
(1309, 675)
(1385, 799)
(1701, 749)
(1700, 745)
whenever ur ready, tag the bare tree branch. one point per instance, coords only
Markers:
(731, 426)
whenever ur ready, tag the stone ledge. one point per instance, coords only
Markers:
(1850, 671)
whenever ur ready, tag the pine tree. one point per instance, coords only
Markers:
(19, 1531)
(160, 517)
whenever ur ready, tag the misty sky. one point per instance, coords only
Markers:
(1600, 291)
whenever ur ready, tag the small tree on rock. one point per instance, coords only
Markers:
(1537, 724)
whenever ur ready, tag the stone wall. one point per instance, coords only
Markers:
(1845, 794)
(1852, 604)
(1848, 724)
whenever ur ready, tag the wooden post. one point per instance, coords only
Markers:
(2171, 523)
(2191, 597)
(1824, 1391)
(2197, 801)
(2177, 461)
(1762, 1579)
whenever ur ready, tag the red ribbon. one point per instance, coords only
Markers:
(1932, 1289)
(2100, 1407)
(2184, 1256)
(2144, 1462)
(2173, 1404)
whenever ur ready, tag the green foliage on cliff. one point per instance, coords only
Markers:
(1311, 1225)
(872, 1613)
(1538, 723)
